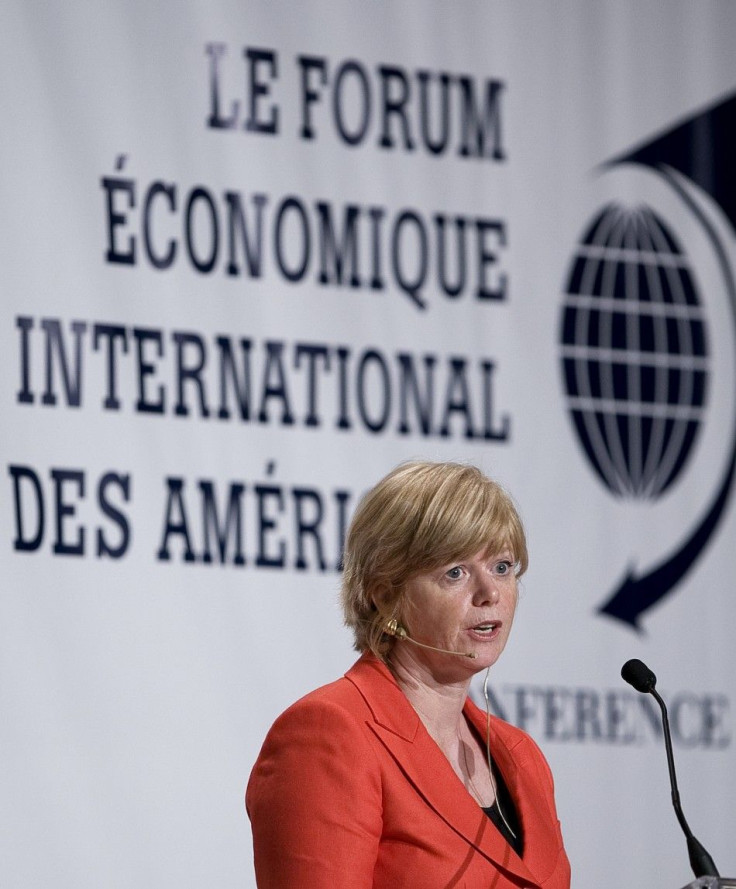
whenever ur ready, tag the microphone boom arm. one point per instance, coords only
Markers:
(643, 680)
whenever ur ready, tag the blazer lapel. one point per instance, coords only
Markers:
(401, 731)
(518, 760)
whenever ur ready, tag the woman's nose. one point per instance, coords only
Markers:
(487, 589)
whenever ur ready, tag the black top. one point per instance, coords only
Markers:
(515, 840)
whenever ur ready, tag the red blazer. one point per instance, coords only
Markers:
(351, 792)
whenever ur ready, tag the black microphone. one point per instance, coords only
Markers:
(394, 628)
(642, 679)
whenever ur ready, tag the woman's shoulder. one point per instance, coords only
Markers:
(340, 694)
(344, 697)
(318, 744)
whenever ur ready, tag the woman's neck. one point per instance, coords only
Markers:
(438, 702)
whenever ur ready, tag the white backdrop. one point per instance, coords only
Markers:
(190, 412)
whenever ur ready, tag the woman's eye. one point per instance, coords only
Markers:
(503, 567)
(455, 573)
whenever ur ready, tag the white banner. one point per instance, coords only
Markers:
(254, 255)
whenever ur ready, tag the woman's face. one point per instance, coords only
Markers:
(466, 606)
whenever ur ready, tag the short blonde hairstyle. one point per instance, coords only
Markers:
(421, 516)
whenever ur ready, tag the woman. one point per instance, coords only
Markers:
(391, 777)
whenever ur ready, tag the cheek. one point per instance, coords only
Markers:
(423, 607)
(511, 601)
(440, 617)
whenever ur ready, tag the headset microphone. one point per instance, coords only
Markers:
(394, 628)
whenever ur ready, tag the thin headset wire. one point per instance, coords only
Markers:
(488, 753)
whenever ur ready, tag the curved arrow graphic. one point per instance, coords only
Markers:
(635, 595)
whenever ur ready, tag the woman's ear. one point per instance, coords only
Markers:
(380, 601)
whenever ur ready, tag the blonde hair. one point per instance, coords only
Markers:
(421, 516)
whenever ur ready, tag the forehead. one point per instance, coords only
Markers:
(483, 551)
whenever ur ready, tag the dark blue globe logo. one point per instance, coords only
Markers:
(634, 351)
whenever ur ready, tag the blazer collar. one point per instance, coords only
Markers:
(399, 728)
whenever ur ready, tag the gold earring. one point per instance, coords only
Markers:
(394, 628)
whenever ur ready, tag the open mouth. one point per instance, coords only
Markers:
(486, 628)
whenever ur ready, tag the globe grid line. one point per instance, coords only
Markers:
(639, 409)
(648, 309)
(648, 359)
(667, 463)
(632, 254)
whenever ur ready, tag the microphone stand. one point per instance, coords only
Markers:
(706, 873)
(700, 861)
